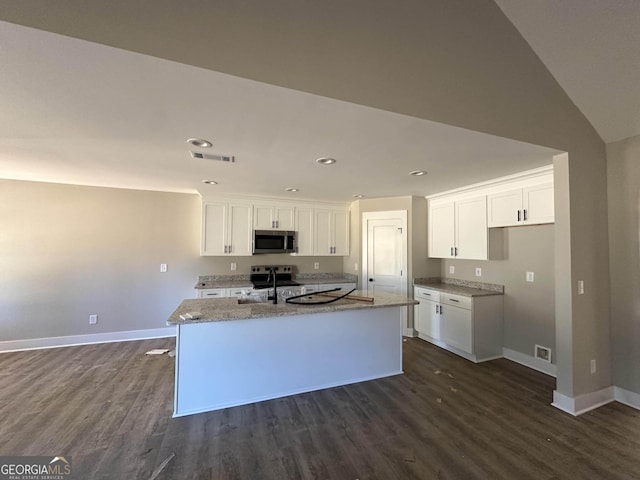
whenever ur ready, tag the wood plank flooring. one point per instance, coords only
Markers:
(109, 407)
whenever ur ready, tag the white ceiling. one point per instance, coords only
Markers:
(77, 112)
(592, 48)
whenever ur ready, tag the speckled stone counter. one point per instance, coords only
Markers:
(242, 281)
(465, 288)
(226, 309)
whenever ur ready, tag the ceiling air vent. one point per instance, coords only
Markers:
(209, 156)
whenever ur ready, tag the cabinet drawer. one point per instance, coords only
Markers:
(420, 293)
(212, 293)
(309, 288)
(456, 300)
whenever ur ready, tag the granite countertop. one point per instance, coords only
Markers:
(465, 288)
(227, 309)
(242, 281)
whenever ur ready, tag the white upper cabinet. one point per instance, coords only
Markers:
(273, 217)
(459, 229)
(331, 228)
(528, 205)
(304, 224)
(228, 225)
(226, 229)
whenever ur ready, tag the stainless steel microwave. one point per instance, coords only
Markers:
(274, 241)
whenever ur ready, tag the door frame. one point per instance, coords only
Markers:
(384, 215)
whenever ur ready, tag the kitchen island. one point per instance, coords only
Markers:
(237, 354)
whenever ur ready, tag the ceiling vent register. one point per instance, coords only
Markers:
(210, 156)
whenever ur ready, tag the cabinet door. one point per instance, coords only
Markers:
(284, 218)
(538, 204)
(340, 234)
(503, 207)
(263, 217)
(214, 228)
(457, 328)
(322, 230)
(441, 230)
(304, 228)
(471, 229)
(240, 232)
(428, 319)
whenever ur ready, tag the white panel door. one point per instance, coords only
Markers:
(263, 217)
(457, 328)
(538, 204)
(427, 319)
(471, 229)
(214, 231)
(323, 242)
(284, 218)
(503, 208)
(340, 224)
(240, 230)
(304, 228)
(441, 230)
(384, 256)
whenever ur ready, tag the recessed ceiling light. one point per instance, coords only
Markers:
(210, 182)
(359, 195)
(326, 160)
(418, 173)
(200, 143)
(291, 189)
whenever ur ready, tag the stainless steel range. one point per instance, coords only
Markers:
(261, 276)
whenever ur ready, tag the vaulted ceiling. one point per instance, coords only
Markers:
(106, 93)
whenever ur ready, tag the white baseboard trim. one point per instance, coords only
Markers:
(409, 332)
(631, 399)
(74, 340)
(583, 403)
(530, 361)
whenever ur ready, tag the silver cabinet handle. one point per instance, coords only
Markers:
(225, 249)
(452, 251)
(524, 215)
(518, 215)
(454, 300)
(455, 250)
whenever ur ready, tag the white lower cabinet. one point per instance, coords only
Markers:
(346, 287)
(212, 293)
(468, 326)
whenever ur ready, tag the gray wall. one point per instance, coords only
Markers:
(69, 251)
(529, 308)
(623, 160)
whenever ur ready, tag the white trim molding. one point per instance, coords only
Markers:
(530, 361)
(583, 403)
(74, 340)
(631, 399)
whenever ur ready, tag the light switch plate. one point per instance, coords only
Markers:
(530, 276)
(163, 268)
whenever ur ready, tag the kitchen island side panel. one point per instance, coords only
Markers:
(224, 364)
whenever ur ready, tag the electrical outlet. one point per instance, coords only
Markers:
(93, 319)
(452, 269)
(593, 366)
(163, 268)
(316, 265)
(233, 266)
(580, 287)
(478, 272)
(530, 276)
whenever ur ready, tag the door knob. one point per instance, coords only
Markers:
(371, 279)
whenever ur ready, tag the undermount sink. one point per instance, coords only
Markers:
(252, 299)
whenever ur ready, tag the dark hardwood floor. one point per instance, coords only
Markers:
(109, 407)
